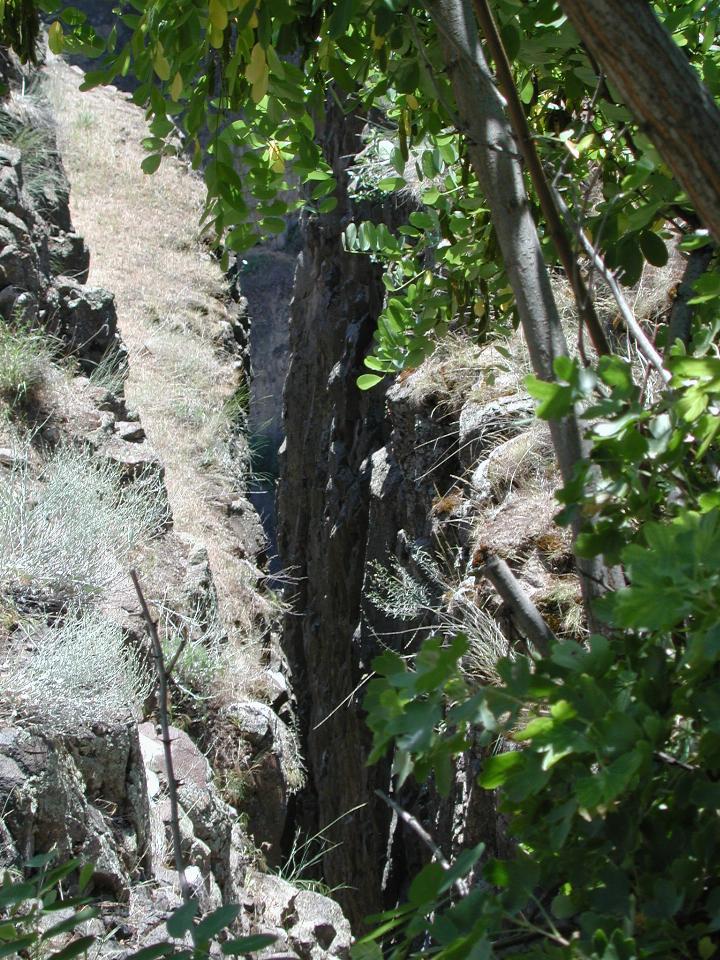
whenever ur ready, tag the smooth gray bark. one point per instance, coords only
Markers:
(495, 160)
(524, 612)
(661, 88)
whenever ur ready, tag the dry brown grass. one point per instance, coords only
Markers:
(142, 233)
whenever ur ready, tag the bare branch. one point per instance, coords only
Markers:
(414, 824)
(523, 610)
(151, 627)
(636, 331)
(584, 302)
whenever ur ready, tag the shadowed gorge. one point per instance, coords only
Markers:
(359, 513)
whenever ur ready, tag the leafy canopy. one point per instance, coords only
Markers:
(247, 84)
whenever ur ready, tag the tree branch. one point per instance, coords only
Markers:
(414, 824)
(523, 610)
(490, 143)
(681, 313)
(634, 329)
(559, 237)
(661, 88)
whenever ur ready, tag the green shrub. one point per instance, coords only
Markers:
(80, 672)
(30, 131)
(31, 924)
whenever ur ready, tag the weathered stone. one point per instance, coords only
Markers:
(69, 256)
(210, 820)
(19, 261)
(314, 926)
(331, 430)
(134, 459)
(256, 733)
(130, 432)
(11, 180)
(483, 425)
(11, 458)
(84, 317)
(19, 307)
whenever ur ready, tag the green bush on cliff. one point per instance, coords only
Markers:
(67, 537)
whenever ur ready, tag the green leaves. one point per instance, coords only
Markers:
(181, 921)
(216, 921)
(405, 707)
(150, 164)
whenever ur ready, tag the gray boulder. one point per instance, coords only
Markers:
(84, 317)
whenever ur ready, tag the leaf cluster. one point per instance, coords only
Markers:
(28, 908)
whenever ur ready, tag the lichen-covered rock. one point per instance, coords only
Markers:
(19, 260)
(483, 425)
(45, 799)
(307, 925)
(85, 317)
(260, 747)
(69, 256)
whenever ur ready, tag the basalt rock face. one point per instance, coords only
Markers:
(44, 264)
(415, 478)
(332, 430)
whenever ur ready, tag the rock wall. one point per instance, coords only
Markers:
(97, 789)
(440, 464)
(331, 432)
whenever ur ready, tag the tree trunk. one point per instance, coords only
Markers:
(493, 154)
(663, 91)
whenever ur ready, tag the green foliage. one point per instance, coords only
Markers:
(610, 794)
(28, 908)
(612, 797)
(25, 357)
(20, 28)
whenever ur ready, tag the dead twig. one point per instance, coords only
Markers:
(162, 674)
(460, 885)
(634, 329)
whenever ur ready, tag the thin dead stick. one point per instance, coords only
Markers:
(634, 328)
(523, 610)
(674, 762)
(460, 885)
(151, 627)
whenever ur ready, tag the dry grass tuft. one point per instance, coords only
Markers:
(26, 357)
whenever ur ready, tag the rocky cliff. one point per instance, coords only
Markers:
(83, 496)
(383, 500)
